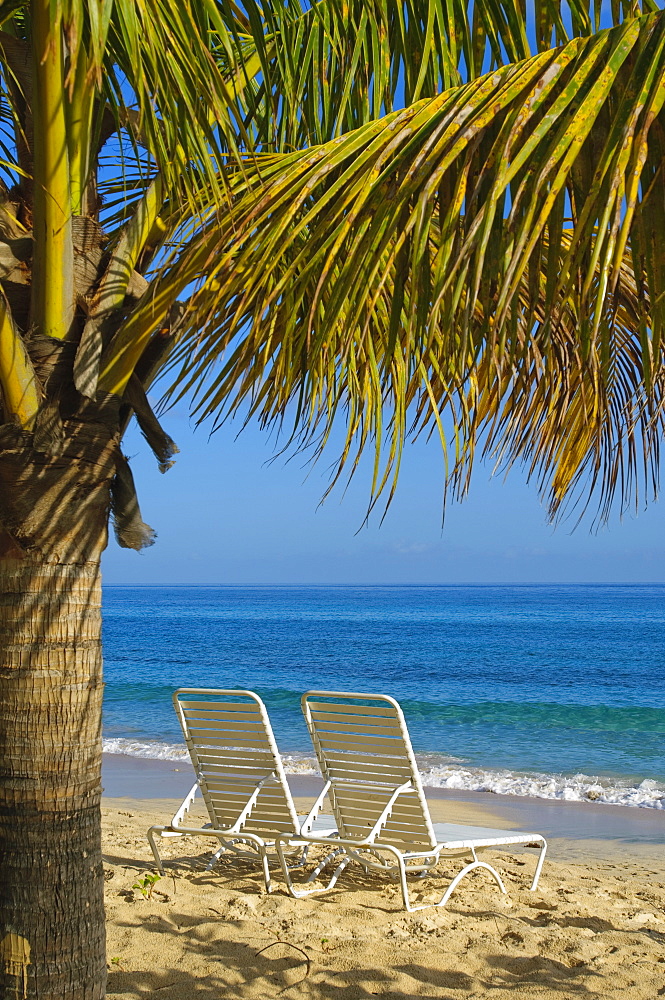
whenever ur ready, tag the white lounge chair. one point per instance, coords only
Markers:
(241, 777)
(373, 785)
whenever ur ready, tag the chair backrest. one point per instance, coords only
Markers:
(238, 767)
(363, 748)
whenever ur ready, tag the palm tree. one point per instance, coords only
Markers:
(405, 215)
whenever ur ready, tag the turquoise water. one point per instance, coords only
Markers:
(555, 691)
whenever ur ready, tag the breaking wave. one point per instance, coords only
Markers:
(451, 773)
(647, 794)
(145, 748)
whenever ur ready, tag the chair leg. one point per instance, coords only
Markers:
(301, 893)
(539, 866)
(153, 844)
(323, 863)
(252, 841)
(404, 885)
(287, 874)
(302, 859)
(266, 869)
(451, 888)
(216, 856)
(465, 871)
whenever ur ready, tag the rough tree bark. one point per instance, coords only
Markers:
(54, 514)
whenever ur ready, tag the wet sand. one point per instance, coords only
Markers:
(573, 829)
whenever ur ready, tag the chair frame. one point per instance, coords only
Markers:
(370, 850)
(234, 838)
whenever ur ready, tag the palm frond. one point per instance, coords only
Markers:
(423, 265)
(331, 66)
(158, 60)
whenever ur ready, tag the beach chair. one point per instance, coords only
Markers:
(373, 785)
(240, 776)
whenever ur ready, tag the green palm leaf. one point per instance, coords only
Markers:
(421, 262)
(329, 67)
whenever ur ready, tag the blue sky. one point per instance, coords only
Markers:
(226, 514)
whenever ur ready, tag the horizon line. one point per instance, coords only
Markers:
(472, 583)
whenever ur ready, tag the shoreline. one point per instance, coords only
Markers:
(439, 771)
(574, 829)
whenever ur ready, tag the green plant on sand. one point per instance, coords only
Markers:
(404, 216)
(146, 885)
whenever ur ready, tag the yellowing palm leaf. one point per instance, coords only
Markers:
(423, 259)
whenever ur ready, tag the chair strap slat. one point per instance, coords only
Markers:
(341, 709)
(367, 744)
(211, 719)
(222, 741)
(347, 758)
(255, 772)
(248, 707)
(271, 789)
(360, 729)
(204, 727)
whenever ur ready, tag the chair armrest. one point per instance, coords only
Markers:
(185, 807)
(310, 818)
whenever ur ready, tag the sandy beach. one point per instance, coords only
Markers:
(594, 928)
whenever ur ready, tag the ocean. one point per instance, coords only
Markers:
(543, 691)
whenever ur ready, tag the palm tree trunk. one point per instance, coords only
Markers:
(55, 512)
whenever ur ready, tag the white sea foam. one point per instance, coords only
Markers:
(576, 788)
(450, 772)
(300, 764)
(143, 748)
(293, 763)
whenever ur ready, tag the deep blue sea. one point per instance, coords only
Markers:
(551, 691)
